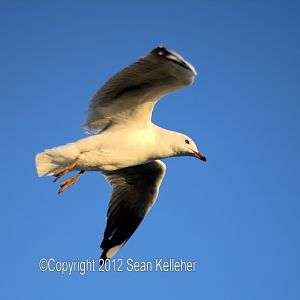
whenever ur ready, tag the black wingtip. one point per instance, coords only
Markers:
(103, 258)
(160, 50)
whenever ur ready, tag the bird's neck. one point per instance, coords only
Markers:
(166, 139)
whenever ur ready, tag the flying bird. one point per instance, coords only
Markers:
(125, 145)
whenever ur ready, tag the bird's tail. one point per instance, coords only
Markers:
(49, 161)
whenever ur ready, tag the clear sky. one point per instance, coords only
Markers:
(236, 215)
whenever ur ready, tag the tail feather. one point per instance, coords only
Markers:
(49, 161)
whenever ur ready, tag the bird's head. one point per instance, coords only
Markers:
(185, 146)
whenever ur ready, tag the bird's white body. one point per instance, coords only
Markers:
(110, 150)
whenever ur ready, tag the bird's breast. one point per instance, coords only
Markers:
(116, 150)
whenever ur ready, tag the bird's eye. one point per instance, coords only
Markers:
(187, 142)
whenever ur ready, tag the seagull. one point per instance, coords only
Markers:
(125, 145)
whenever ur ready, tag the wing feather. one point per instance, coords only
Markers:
(130, 95)
(134, 192)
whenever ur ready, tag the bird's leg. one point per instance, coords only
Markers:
(67, 183)
(65, 169)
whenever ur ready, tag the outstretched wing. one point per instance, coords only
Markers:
(130, 95)
(134, 192)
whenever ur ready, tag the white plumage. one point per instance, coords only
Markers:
(127, 146)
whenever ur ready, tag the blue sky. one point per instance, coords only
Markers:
(237, 215)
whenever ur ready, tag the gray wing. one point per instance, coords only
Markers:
(130, 95)
(134, 192)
